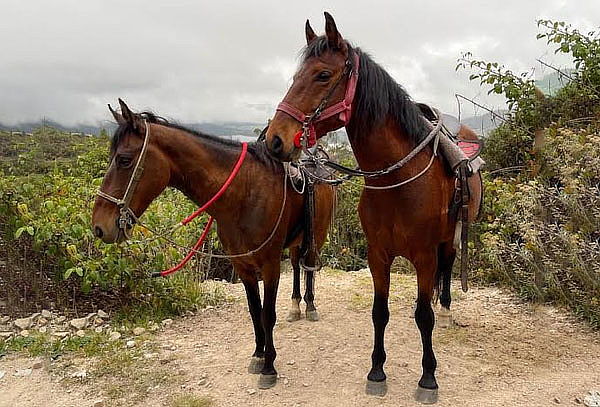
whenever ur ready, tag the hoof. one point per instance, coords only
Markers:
(256, 365)
(293, 316)
(376, 388)
(426, 396)
(312, 315)
(444, 319)
(266, 381)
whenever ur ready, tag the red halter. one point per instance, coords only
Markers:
(308, 133)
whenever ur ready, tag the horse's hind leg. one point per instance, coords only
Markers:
(250, 281)
(427, 390)
(380, 264)
(294, 314)
(446, 256)
(309, 295)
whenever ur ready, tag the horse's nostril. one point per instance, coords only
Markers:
(277, 145)
(98, 232)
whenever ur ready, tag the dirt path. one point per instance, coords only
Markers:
(501, 353)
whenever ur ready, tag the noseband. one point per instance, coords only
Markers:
(307, 136)
(127, 218)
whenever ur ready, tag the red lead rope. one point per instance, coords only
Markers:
(203, 208)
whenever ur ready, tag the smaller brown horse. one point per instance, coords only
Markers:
(246, 214)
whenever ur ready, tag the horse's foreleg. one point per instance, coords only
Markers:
(426, 265)
(446, 256)
(380, 264)
(268, 374)
(253, 296)
(294, 314)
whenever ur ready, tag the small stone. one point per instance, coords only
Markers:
(4, 320)
(61, 319)
(592, 399)
(251, 391)
(102, 314)
(23, 323)
(37, 365)
(286, 381)
(98, 403)
(153, 327)
(23, 373)
(91, 315)
(46, 314)
(138, 331)
(98, 321)
(34, 316)
(305, 384)
(130, 343)
(114, 336)
(79, 375)
(5, 335)
(79, 323)
(291, 362)
(61, 334)
(42, 321)
(167, 321)
(578, 400)
(43, 329)
(98, 329)
(80, 333)
(2, 374)
(24, 333)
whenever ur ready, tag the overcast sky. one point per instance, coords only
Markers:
(225, 60)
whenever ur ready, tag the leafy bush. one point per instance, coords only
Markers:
(542, 236)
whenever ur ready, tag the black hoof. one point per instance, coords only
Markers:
(266, 381)
(256, 365)
(426, 396)
(376, 388)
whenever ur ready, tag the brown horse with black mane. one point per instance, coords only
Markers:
(247, 214)
(339, 85)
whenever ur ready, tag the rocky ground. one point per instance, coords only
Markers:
(500, 352)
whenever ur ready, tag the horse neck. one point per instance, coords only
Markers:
(380, 147)
(199, 167)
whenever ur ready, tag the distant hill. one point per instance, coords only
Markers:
(242, 131)
(484, 123)
(553, 82)
(245, 129)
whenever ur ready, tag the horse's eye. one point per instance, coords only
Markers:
(124, 161)
(324, 76)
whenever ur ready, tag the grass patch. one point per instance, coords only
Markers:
(38, 344)
(183, 294)
(189, 400)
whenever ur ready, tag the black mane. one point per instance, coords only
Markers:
(257, 149)
(378, 96)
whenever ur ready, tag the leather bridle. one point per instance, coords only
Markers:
(307, 136)
(127, 217)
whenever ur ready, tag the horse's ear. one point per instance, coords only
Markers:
(310, 33)
(118, 118)
(125, 112)
(333, 36)
(129, 116)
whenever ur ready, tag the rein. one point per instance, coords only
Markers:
(324, 162)
(127, 217)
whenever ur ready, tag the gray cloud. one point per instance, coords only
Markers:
(232, 60)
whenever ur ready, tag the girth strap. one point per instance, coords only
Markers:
(309, 255)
